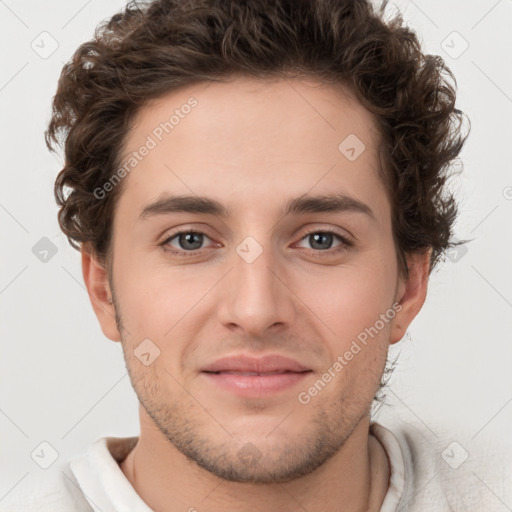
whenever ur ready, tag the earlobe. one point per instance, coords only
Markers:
(96, 280)
(412, 292)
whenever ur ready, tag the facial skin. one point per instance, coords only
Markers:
(253, 145)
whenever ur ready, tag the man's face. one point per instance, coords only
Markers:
(255, 282)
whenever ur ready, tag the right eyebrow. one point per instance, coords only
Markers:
(187, 204)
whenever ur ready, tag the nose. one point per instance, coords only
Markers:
(256, 296)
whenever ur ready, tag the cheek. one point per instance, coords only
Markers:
(349, 299)
(155, 297)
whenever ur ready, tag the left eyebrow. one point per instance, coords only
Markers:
(296, 206)
(326, 203)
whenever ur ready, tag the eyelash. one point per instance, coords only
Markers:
(345, 242)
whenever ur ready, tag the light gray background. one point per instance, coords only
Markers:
(64, 383)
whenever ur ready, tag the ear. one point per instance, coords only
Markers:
(96, 280)
(411, 293)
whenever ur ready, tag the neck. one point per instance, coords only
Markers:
(355, 478)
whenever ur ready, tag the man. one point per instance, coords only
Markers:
(258, 193)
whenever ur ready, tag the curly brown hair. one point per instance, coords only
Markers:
(153, 48)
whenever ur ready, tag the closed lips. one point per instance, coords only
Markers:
(266, 365)
(236, 372)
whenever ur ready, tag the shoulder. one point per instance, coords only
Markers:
(55, 491)
(89, 479)
(452, 469)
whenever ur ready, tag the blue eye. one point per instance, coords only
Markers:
(187, 241)
(323, 240)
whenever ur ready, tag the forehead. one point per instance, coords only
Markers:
(252, 140)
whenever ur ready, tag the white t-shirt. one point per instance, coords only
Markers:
(422, 478)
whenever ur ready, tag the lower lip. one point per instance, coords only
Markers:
(256, 385)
